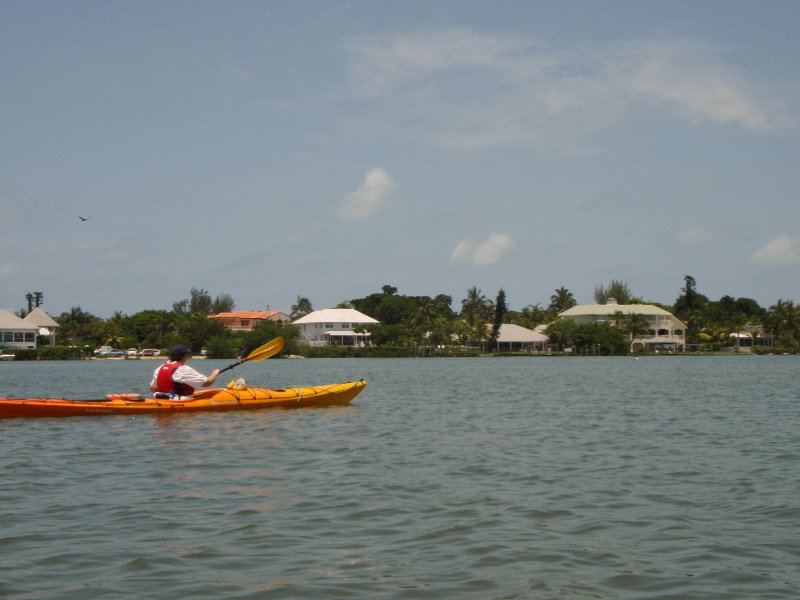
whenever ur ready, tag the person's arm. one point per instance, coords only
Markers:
(154, 382)
(191, 376)
(211, 378)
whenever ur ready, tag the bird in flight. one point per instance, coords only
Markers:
(84, 218)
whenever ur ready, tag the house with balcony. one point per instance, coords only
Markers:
(665, 333)
(247, 320)
(334, 327)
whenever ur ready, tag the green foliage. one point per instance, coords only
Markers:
(301, 309)
(500, 310)
(598, 338)
(58, 353)
(224, 346)
(222, 303)
(194, 329)
(25, 354)
(560, 333)
(425, 325)
(561, 300)
(269, 330)
(529, 317)
(616, 289)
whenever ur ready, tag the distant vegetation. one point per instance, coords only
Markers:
(412, 325)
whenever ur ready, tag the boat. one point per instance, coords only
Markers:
(234, 397)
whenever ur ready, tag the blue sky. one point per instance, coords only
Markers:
(271, 150)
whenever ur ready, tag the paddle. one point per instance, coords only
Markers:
(269, 349)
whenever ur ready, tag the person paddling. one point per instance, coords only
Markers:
(176, 380)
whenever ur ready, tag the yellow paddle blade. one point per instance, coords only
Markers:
(271, 348)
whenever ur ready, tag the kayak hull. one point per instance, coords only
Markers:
(216, 400)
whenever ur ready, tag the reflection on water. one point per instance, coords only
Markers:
(671, 477)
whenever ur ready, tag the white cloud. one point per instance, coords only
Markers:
(783, 251)
(691, 77)
(487, 252)
(467, 88)
(370, 197)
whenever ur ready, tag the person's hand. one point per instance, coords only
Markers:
(211, 378)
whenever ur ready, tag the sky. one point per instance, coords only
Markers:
(323, 149)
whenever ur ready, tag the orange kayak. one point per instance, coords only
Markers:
(222, 399)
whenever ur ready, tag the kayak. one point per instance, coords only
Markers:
(217, 399)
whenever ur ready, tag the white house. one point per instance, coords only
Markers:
(44, 323)
(515, 337)
(16, 333)
(334, 327)
(666, 332)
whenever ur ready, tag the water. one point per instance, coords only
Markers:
(670, 477)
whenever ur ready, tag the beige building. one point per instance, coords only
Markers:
(15, 332)
(513, 338)
(666, 332)
(247, 320)
(44, 323)
(334, 327)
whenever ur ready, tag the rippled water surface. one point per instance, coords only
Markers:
(670, 477)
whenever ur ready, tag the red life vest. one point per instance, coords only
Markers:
(167, 385)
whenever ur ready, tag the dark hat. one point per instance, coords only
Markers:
(178, 352)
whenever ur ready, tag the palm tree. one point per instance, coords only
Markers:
(301, 309)
(475, 301)
(562, 300)
(636, 325)
(783, 320)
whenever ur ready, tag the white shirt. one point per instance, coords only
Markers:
(183, 374)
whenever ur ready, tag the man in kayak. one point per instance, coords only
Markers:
(175, 379)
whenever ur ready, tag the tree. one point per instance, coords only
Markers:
(690, 300)
(475, 302)
(616, 289)
(560, 333)
(529, 317)
(597, 338)
(500, 310)
(561, 300)
(783, 321)
(301, 308)
(79, 327)
(222, 303)
(199, 301)
(690, 308)
(636, 325)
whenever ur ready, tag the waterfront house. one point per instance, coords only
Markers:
(334, 327)
(15, 332)
(665, 332)
(247, 320)
(44, 323)
(513, 338)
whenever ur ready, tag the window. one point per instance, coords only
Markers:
(18, 337)
(29, 337)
